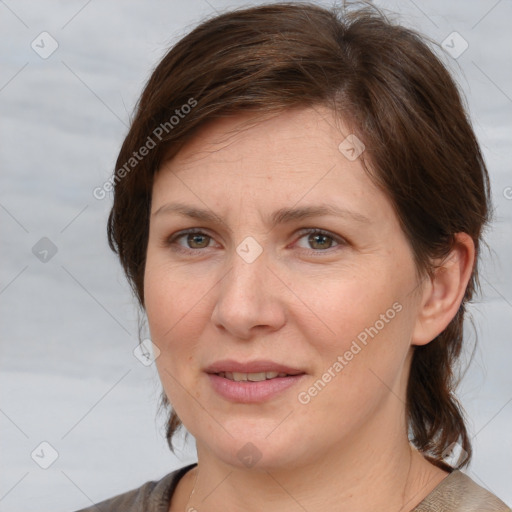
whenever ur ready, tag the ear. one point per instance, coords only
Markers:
(443, 292)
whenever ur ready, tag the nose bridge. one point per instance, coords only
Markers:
(249, 269)
(247, 296)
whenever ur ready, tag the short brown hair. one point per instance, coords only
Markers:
(396, 96)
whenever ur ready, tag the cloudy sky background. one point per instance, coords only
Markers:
(69, 325)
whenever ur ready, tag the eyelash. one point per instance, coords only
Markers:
(194, 231)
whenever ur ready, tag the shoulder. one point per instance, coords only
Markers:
(153, 496)
(458, 492)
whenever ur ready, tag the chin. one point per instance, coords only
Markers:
(254, 449)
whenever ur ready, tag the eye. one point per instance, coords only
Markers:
(193, 240)
(320, 240)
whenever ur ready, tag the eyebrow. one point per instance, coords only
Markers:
(281, 216)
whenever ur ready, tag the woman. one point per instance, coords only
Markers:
(298, 207)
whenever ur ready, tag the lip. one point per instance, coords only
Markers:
(248, 391)
(230, 365)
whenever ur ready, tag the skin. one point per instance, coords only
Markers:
(302, 302)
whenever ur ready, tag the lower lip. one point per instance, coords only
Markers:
(252, 392)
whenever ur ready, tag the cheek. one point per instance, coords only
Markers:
(371, 341)
(172, 299)
(361, 330)
(173, 308)
(358, 304)
(176, 315)
(359, 370)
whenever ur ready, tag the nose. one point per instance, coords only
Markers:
(250, 299)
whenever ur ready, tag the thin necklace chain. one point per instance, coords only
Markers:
(192, 509)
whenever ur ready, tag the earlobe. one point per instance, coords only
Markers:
(444, 290)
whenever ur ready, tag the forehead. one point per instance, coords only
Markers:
(291, 156)
(283, 136)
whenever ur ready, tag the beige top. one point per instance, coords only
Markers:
(456, 493)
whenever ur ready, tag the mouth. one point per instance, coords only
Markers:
(252, 382)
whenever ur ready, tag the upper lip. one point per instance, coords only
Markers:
(229, 365)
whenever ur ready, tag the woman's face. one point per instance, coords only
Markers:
(298, 266)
